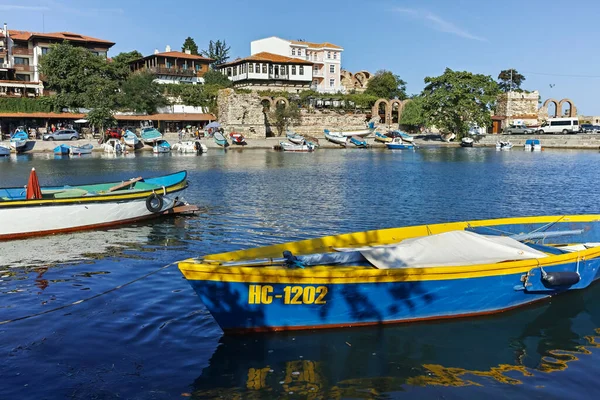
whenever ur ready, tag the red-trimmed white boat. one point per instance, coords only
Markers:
(36, 210)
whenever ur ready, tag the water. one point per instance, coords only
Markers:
(153, 339)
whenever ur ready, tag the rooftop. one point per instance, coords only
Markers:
(316, 45)
(269, 57)
(73, 37)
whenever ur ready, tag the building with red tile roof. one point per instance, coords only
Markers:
(174, 66)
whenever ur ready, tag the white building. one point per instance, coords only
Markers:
(326, 59)
(267, 71)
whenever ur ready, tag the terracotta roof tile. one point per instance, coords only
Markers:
(73, 37)
(180, 54)
(153, 117)
(270, 57)
(317, 45)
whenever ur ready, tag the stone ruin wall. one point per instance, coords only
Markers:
(243, 113)
(519, 105)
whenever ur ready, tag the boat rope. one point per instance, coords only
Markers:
(548, 225)
(8, 321)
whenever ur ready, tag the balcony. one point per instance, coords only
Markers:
(318, 73)
(22, 51)
(282, 77)
(172, 71)
(22, 68)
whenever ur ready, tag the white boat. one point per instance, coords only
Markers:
(4, 150)
(295, 138)
(43, 210)
(504, 146)
(467, 142)
(447, 137)
(360, 133)
(403, 135)
(533, 145)
(336, 137)
(307, 147)
(132, 140)
(161, 146)
(190, 147)
(113, 146)
(79, 150)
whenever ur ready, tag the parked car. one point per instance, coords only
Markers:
(517, 129)
(62, 134)
(113, 133)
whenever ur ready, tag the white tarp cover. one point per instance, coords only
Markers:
(448, 249)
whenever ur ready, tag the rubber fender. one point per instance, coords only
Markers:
(154, 203)
(566, 278)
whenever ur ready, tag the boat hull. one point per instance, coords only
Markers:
(4, 151)
(79, 150)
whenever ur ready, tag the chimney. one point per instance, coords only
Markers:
(155, 51)
(188, 51)
(168, 48)
(5, 30)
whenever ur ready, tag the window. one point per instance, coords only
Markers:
(332, 69)
(45, 50)
(229, 71)
(293, 70)
(1, 60)
(331, 82)
(270, 68)
(168, 64)
(301, 70)
(299, 52)
(21, 61)
(23, 78)
(264, 68)
(235, 70)
(293, 51)
(329, 55)
(198, 67)
(334, 55)
(251, 68)
(257, 68)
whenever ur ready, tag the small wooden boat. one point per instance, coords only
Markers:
(161, 146)
(447, 137)
(238, 138)
(503, 146)
(150, 135)
(398, 144)
(358, 142)
(533, 145)
(190, 147)
(113, 146)
(397, 275)
(4, 150)
(306, 147)
(48, 210)
(336, 137)
(21, 143)
(380, 137)
(466, 142)
(83, 149)
(62, 149)
(132, 140)
(295, 137)
(361, 133)
(220, 139)
(403, 135)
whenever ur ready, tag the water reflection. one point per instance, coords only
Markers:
(365, 362)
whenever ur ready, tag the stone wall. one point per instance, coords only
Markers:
(244, 113)
(519, 106)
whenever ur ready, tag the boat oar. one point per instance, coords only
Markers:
(545, 235)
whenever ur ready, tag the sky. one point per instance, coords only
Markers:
(555, 44)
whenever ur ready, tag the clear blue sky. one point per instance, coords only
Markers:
(551, 42)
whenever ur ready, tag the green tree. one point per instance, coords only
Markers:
(218, 51)
(283, 116)
(141, 94)
(384, 84)
(510, 80)
(412, 114)
(70, 71)
(101, 118)
(213, 77)
(456, 99)
(119, 65)
(190, 45)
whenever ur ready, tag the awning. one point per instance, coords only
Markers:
(81, 121)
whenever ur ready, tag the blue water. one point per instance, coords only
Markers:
(153, 339)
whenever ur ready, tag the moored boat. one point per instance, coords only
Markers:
(336, 137)
(238, 138)
(62, 149)
(47, 210)
(533, 145)
(362, 132)
(21, 143)
(83, 149)
(220, 139)
(359, 142)
(403, 135)
(150, 135)
(504, 146)
(306, 147)
(190, 147)
(380, 137)
(295, 137)
(447, 137)
(161, 146)
(466, 142)
(132, 140)
(113, 146)
(398, 144)
(405, 274)
(4, 150)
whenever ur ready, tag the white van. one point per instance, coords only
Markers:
(560, 125)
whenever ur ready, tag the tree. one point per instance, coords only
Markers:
(141, 94)
(71, 71)
(218, 51)
(101, 118)
(213, 77)
(384, 84)
(412, 114)
(458, 99)
(119, 65)
(510, 80)
(190, 44)
(284, 116)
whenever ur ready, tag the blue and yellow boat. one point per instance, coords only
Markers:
(398, 275)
